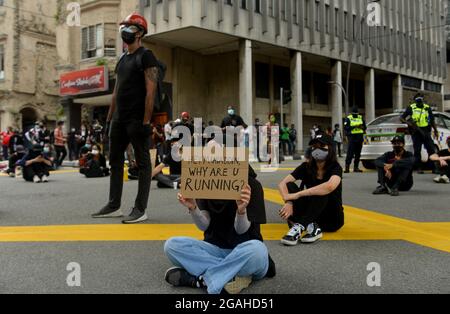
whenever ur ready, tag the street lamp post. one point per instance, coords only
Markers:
(345, 94)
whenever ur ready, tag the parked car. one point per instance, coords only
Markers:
(381, 131)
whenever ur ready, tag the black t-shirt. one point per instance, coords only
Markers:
(131, 89)
(444, 153)
(175, 167)
(309, 181)
(233, 121)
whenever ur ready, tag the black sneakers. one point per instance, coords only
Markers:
(313, 234)
(107, 212)
(381, 190)
(395, 192)
(179, 277)
(293, 236)
(136, 216)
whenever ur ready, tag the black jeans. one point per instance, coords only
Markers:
(443, 170)
(37, 169)
(400, 180)
(121, 135)
(354, 150)
(315, 209)
(167, 181)
(61, 154)
(419, 140)
(337, 148)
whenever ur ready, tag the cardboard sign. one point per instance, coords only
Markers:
(153, 153)
(207, 177)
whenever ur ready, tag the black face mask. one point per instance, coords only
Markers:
(419, 103)
(128, 38)
(398, 149)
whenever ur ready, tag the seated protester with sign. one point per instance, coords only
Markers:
(13, 159)
(93, 164)
(442, 160)
(168, 181)
(317, 205)
(35, 165)
(232, 253)
(395, 169)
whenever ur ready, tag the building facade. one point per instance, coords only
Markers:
(240, 52)
(28, 78)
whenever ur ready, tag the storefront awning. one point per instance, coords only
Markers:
(104, 100)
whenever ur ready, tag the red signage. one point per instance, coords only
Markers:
(84, 82)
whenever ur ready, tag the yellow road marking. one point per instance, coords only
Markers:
(367, 225)
(360, 225)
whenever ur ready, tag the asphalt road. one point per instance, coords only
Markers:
(332, 266)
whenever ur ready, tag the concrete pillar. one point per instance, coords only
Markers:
(370, 94)
(245, 81)
(297, 98)
(397, 93)
(336, 94)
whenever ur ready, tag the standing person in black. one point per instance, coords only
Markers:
(318, 206)
(420, 119)
(395, 169)
(232, 120)
(355, 128)
(130, 116)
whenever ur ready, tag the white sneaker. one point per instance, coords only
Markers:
(437, 179)
(36, 179)
(45, 179)
(294, 235)
(445, 179)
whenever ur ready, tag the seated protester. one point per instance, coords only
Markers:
(168, 181)
(318, 206)
(232, 253)
(14, 159)
(442, 160)
(50, 154)
(83, 158)
(395, 169)
(94, 164)
(35, 165)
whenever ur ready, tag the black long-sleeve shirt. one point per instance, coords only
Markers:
(406, 162)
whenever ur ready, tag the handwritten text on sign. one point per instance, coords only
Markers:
(214, 179)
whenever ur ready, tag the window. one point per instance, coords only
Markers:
(2, 62)
(282, 78)
(327, 19)
(98, 41)
(258, 6)
(446, 121)
(244, 4)
(262, 73)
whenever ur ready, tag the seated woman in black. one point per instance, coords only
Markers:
(319, 206)
(93, 164)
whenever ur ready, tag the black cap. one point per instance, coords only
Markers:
(322, 139)
(398, 139)
(355, 110)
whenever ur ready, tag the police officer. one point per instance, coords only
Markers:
(420, 119)
(355, 127)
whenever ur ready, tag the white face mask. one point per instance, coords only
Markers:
(95, 152)
(46, 150)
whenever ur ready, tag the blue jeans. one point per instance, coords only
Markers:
(218, 266)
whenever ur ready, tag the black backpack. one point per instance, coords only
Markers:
(162, 69)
